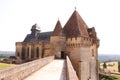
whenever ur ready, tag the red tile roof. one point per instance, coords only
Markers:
(58, 29)
(75, 26)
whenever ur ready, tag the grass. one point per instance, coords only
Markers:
(112, 66)
(109, 77)
(4, 65)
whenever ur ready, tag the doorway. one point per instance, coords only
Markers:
(63, 56)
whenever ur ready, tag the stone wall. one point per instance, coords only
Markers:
(57, 45)
(46, 49)
(19, 72)
(71, 73)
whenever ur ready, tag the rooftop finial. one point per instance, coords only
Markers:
(75, 8)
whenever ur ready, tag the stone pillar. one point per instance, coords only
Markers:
(40, 51)
(18, 49)
(29, 52)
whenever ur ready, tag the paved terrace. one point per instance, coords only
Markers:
(56, 70)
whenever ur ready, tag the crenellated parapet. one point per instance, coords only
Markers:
(78, 42)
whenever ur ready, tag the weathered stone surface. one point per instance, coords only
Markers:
(75, 39)
(71, 73)
(21, 71)
(56, 70)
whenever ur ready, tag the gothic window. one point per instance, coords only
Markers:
(28, 52)
(32, 53)
(23, 53)
(37, 51)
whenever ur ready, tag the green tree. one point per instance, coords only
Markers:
(118, 66)
(104, 65)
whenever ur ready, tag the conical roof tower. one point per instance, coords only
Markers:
(75, 26)
(58, 29)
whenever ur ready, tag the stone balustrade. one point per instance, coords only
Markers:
(19, 72)
(71, 73)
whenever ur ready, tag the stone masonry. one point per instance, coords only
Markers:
(75, 39)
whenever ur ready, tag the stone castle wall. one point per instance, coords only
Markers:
(21, 71)
(83, 57)
(57, 45)
(71, 73)
(46, 49)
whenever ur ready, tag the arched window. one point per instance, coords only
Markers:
(23, 53)
(32, 55)
(37, 52)
(28, 52)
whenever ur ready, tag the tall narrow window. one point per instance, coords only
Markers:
(32, 55)
(28, 52)
(37, 51)
(23, 53)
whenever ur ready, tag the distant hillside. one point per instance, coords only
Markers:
(6, 54)
(101, 57)
(108, 58)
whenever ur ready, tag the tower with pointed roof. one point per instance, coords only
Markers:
(57, 41)
(75, 39)
(81, 45)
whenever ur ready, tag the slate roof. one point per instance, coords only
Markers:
(58, 29)
(75, 26)
(44, 36)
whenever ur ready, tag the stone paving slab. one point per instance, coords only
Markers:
(56, 70)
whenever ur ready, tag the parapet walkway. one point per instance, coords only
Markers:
(56, 70)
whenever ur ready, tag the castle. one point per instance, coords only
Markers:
(75, 40)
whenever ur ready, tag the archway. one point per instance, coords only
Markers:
(63, 56)
(37, 51)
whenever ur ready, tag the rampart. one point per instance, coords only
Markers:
(19, 72)
(71, 73)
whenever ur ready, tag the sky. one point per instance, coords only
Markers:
(18, 16)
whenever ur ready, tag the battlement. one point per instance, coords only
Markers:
(78, 39)
(78, 42)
